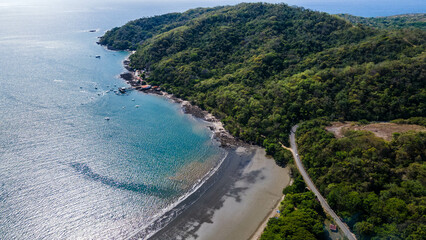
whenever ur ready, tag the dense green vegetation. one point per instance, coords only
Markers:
(301, 216)
(129, 36)
(392, 22)
(261, 68)
(414, 120)
(282, 156)
(378, 187)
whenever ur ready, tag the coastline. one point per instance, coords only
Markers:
(247, 184)
(232, 203)
(256, 235)
(216, 126)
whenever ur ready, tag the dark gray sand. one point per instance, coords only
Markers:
(232, 204)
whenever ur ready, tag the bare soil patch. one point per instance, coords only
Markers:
(382, 130)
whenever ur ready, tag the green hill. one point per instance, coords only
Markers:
(261, 68)
(417, 20)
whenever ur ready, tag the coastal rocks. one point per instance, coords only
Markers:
(126, 64)
(219, 132)
(194, 110)
(127, 76)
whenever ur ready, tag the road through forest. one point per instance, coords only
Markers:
(312, 187)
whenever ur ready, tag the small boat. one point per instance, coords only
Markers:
(107, 118)
(136, 106)
(145, 87)
(133, 99)
(122, 90)
(93, 30)
(97, 56)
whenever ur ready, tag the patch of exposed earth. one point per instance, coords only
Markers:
(382, 130)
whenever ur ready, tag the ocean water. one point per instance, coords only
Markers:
(363, 8)
(66, 172)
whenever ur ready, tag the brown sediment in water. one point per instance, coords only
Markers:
(243, 192)
(191, 172)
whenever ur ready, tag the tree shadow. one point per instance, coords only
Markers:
(224, 184)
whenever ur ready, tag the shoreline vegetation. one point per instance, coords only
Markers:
(262, 68)
(242, 193)
(219, 132)
(248, 161)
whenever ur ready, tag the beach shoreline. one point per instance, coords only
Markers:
(216, 126)
(258, 233)
(244, 180)
(231, 204)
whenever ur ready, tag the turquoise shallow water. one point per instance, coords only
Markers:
(65, 172)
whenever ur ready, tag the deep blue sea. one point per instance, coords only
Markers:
(65, 171)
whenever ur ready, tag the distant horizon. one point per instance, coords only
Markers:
(362, 8)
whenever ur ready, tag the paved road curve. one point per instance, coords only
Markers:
(311, 186)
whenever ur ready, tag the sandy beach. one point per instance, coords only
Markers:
(233, 203)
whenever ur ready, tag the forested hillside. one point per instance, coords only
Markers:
(135, 32)
(417, 20)
(301, 216)
(377, 187)
(261, 68)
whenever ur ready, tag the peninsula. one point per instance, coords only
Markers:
(262, 68)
